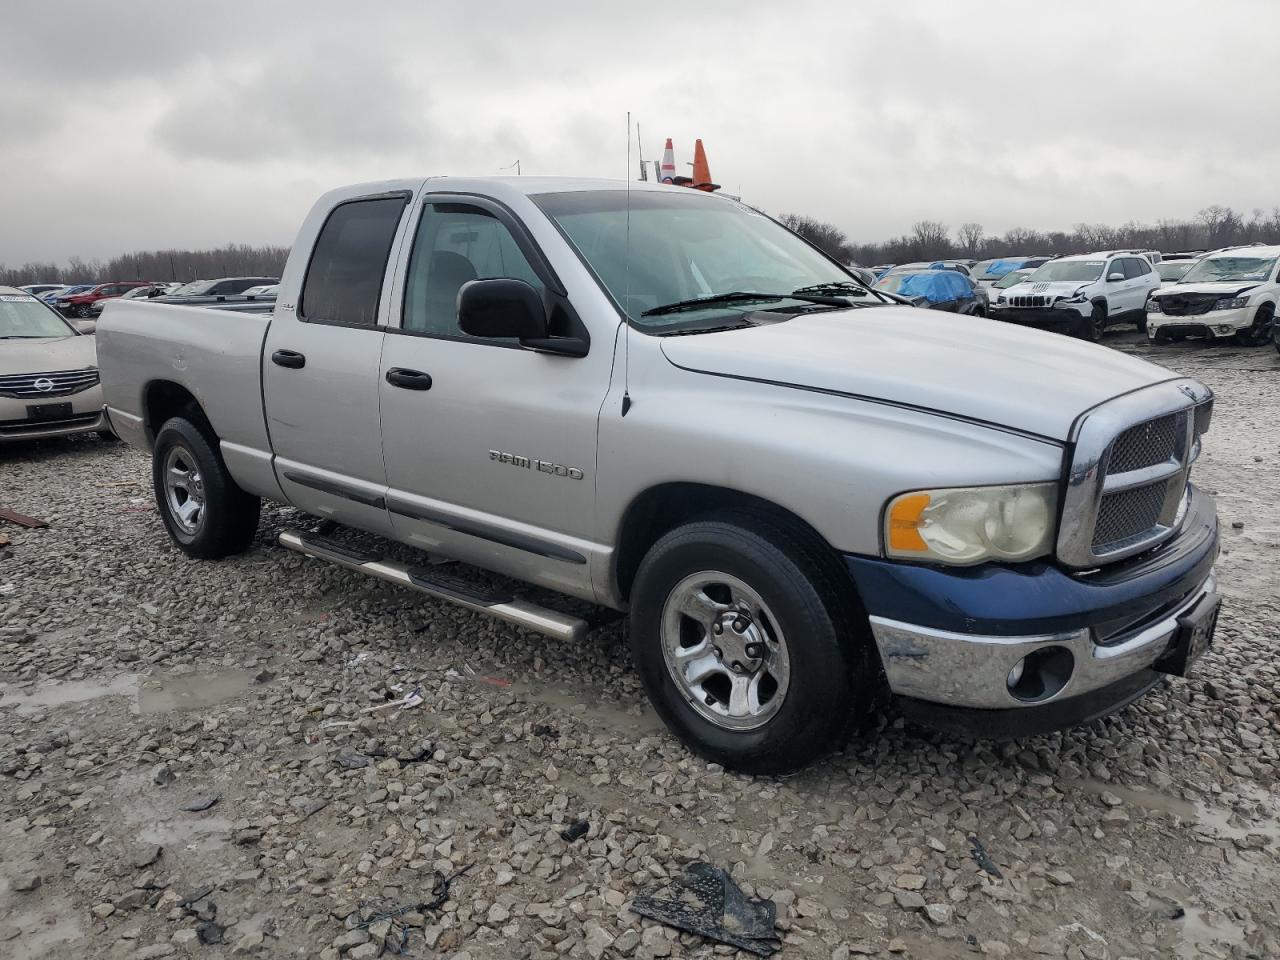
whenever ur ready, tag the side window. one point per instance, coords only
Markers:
(456, 243)
(1133, 268)
(1115, 266)
(344, 279)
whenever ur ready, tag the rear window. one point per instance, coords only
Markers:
(344, 279)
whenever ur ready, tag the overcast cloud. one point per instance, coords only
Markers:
(138, 125)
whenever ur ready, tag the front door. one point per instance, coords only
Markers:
(320, 369)
(490, 448)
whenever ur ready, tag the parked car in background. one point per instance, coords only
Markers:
(1171, 271)
(222, 287)
(1081, 295)
(956, 265)
(36, 289)
(1010, 279)
(881, 269)
(137, 293)
(947, 290)
(1228, 293)
(974, 519)
(81, 304)
(48, 372)
(269, 289)
(66, 291)
(987, 272)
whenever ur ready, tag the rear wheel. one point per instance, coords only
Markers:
(1261, 331)
(749, 643)
(83, 311)
(207, 515)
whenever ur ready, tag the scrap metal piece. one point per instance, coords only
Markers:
(983, 859)
(707, 902)
(22, 520)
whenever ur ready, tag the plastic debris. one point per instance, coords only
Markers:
(575, 831)
(201, 801)
(707, 902)
(358, 659)
(413, 698)
(401, 919)
(983, 859)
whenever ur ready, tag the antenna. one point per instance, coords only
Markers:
(510, 165)
(626, 289)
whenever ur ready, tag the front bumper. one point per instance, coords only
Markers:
(1215, 323)
(86, 416)
(948, 638)
(1053, 318)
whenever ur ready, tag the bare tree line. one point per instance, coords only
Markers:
(233, 260)
(1211, 228)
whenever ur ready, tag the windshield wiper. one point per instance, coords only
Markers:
(737, 296)
(848, 288)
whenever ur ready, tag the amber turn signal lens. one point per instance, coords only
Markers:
(904, 522)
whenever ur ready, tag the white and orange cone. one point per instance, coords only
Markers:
(667, 172)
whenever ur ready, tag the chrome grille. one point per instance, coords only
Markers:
(1128, 477)
(1148, 443)
(1128, 514)
(38, 386)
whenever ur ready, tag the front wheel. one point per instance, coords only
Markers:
(750, 645)
(1092, 326)
(83, 311)
(1261, 331)
(206, 513)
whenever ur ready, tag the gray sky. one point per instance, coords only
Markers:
(139, 125)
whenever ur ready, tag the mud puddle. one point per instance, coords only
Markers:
(156, 694)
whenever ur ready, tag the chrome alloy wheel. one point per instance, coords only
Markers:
(184, 489)
(725, 650)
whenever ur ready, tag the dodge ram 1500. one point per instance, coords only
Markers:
(803, 494)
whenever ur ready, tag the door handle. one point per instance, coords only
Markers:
(409, 379)
(289, 358)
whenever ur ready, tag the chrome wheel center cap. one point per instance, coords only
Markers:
(739, 642)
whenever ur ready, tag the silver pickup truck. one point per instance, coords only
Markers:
(806, 496)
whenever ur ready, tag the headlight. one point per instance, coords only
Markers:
(1153, 306)
(1231, 303)
(966, 525)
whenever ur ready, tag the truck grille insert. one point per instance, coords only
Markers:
(1129, 513)
(1148, 444)
(38, 386)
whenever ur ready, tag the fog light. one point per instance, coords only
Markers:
(1041, 674)
(1225, 328)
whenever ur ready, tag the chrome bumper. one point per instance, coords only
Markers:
(966, 670)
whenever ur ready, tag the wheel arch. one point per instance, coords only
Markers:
(661, 508)
(163, 399)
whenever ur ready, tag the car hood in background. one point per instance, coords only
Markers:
(1230, 288)
(970, 367)
(47, 354)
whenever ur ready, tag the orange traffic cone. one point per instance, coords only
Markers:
(667, 172)
(701, 170)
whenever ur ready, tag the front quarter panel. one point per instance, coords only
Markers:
(831, 460)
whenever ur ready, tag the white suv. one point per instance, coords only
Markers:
(1229, 293)
(1082, 295)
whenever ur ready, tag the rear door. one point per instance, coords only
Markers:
(490, 448)
(320, 368)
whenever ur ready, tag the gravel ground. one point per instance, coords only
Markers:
(135, 683)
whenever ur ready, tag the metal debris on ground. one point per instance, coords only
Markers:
(706, 901)
(201, 801)
(21, 519)
(575, 831)
(401, 919)
(983, 859)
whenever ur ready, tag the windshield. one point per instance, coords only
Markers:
(1230, 268)
(24, 317)
(1071, 270)
(1010, 279)
(1174, 270)
(193, 289)
(684, 245)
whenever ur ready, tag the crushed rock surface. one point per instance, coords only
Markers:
(200, 759)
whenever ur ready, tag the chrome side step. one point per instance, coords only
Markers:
(438, 584)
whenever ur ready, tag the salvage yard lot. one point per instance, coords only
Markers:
(134, 681)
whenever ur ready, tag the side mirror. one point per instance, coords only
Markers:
(87, 327)
(1113, 277)
(501, 308)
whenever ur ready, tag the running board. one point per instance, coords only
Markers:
(442, 586)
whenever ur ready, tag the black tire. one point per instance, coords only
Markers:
(227, 518)
(83, 311)
(1141, 322)
(1260, 332)
(1093, 326)
(834, 672)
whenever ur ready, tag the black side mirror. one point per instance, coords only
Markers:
(501, 308)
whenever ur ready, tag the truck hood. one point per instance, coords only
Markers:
(47, 354)
(978, 369)
(1228, 288)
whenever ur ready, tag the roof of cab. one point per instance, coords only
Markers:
(504, 186)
